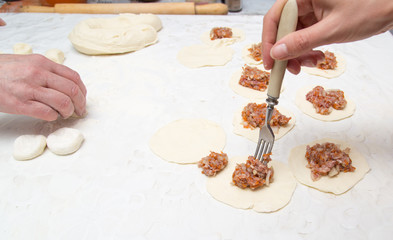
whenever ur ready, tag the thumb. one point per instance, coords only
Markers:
(300, 42)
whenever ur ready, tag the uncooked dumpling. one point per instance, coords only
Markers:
(337, 184)
(187, 140)
(22, 48)
(328, 73)
(237, 36)
(265, 199)
(29, 146)
(253, 134)
(308, 108)
(55, 55)
(65, 141)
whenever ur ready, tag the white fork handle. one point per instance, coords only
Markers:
(288, 22)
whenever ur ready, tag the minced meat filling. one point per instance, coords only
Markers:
(253, 77)
(213, 163)
(323, 101)
(329, 63)
(253, 173)
(254, 115)
(256, 51)
(220, 32)
(327, 159)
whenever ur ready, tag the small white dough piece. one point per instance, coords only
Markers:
(245, 91)
(328, 73)
(55, 55)
(308, 108)
(121, 34)
(65, 141)
(22, 48)
(203, 55)
(29, 146)
(253, 134)
(247, 57)
(265, 199)
(187, 140)
(337, 184)
(237, 36)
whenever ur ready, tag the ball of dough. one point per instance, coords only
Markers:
(121, 34)
(55, 55)
(65, 141)
(23, 48)
(29, 146)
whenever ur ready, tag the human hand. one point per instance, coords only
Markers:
(2, 23)
(322, 22)
(35, 86)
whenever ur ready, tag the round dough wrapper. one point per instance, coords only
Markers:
(22, 48)
(203, 55)
(187, 140)
(245, 91)
(29, 146)
(237, 36)
(247, 57)
(337, 184)
(125, 33)
(265, 199)
(335, 115)
(55, 55)
(329, 73)
(253, 134)
(65, 141)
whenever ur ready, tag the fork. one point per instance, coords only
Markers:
(287, 24)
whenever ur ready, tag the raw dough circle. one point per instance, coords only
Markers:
(245, 91)
(55, 55)
(253, 134)
(266, 199)
(125, 33)
(237, 36)
(29, 146)
(337, 184)
(247, 57)
(22, 48)
(64, 141)
(187, 140)
(335, 115)
(203, 55)
(329, 73)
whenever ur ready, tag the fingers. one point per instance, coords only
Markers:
(302, 41)
(38, 110)
(68, 73)
(269, 32)
(68, 89)
(2, 22)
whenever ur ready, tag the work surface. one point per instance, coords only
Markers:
(114, 187)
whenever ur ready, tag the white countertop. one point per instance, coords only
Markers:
(114, 187)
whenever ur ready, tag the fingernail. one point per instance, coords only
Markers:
(279, 52)
(308, 63)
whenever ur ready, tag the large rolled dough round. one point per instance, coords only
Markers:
(308, 108)
(204, 55)
(187, 140)
(29, 146)
(253, 134)
(265, 199)
(328, 73)
(121, 34)
(337, 184)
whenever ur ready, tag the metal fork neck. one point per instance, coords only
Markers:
(271, 102)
